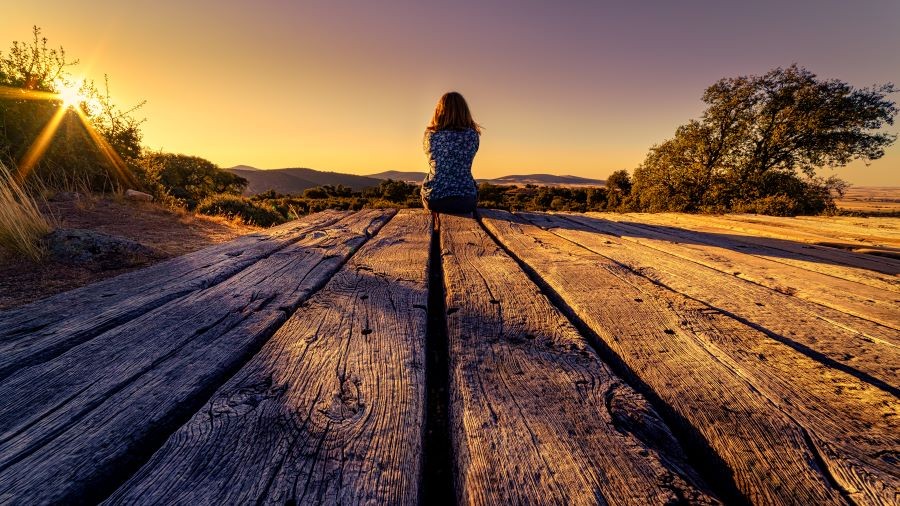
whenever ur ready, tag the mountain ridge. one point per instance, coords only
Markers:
(294, 180)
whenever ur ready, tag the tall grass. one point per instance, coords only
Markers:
(22, 225)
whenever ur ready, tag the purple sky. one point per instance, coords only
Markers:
(579, 88)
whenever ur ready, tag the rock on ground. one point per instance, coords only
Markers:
(96, 250)
(136, 195)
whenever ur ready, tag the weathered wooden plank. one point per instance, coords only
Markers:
(823, 333)
(877, 271)
(44, 329)
(760, 225)
(854, 427)
(872, 270)
(331, 409)
(537, 417)
(718, 252)
(664, 338)
(828, 227)
(878, 226)
(74, 426)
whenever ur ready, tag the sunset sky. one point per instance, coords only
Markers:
(579, 88)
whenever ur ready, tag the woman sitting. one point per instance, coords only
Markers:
(451, 141)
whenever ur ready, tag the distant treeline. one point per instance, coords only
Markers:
(269, 208)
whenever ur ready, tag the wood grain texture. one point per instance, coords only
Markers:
(537, 417)
(659, 336)
(829, 227)
(850, 423)
(878, 228)
(720, 252)
(678, 245)
(44, 329)
(823, 333)
(783, 247)
(75, 425)
(330, 411)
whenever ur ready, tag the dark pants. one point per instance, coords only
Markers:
(452, 205)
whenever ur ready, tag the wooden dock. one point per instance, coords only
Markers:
(527, 358)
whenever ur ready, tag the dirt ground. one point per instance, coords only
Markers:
(22, 281)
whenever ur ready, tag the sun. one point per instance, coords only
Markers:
(70, 94)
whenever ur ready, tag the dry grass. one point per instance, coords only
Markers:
(22, 225)
(172, 232)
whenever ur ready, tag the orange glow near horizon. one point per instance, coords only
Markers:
(576, 88)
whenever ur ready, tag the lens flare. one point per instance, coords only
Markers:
(71, 97)
(40, 144)
(70, 93)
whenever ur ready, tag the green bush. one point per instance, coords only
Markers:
(775, 205)
(187, 179)
(234, 206)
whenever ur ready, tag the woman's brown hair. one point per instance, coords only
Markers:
(452, 113)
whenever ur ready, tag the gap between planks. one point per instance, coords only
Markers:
(769, 423)
(78, 425)
(826, 335)
(330, 410)
(537, 417)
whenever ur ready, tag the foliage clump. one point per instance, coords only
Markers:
(551, 198)
(237, 207)
(35, 70)
(186, 179)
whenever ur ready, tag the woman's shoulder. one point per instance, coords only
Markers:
(468, 132)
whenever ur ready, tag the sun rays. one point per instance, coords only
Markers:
(71, 97)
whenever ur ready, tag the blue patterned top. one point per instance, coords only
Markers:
(450, 154)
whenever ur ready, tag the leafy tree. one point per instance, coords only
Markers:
(618, 187)
(763, 136)
(619, 181)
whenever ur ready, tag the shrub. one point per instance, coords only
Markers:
(775, 205)
(188, 179)
(234, 206)
(22, 225)
(316, 192)
(34, 66)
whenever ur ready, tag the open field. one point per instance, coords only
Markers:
(510, 359)
(871, 199)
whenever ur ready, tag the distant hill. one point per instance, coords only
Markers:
(545, 180)
(295, 180)
(519, 179)
(399, 175)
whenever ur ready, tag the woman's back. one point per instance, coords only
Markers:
(450, 154)
(451, 141)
